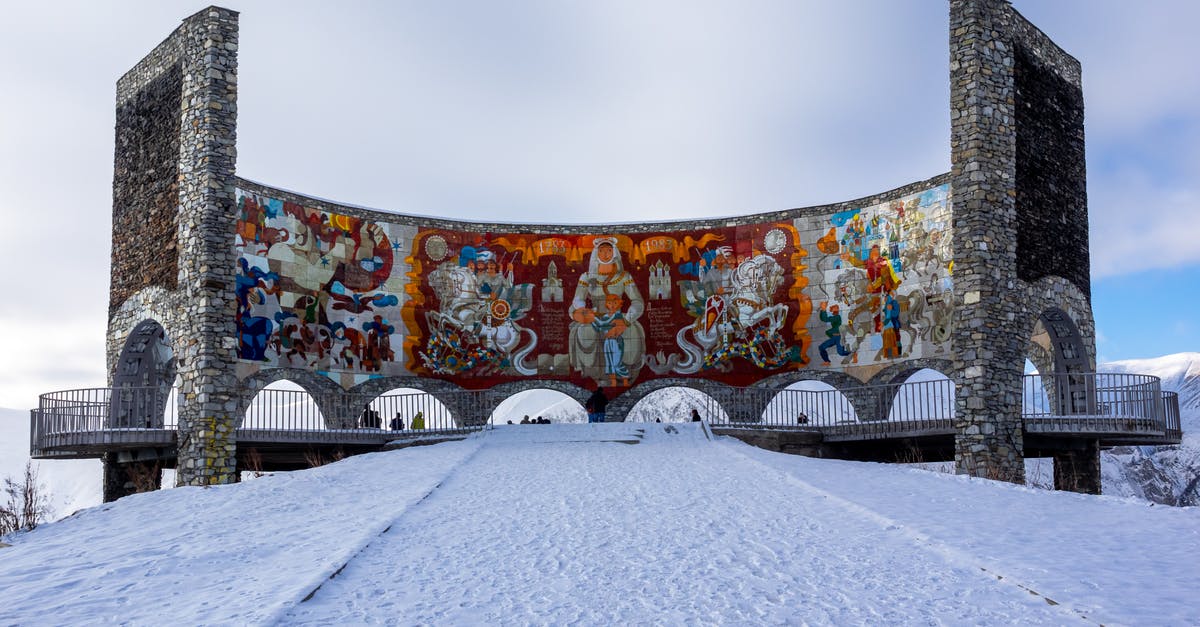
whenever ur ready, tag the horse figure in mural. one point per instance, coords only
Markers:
(465, 320)
(745, 317)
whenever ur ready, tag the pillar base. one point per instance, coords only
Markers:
(122, 478)
(1078, 470)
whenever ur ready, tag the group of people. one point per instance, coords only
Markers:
(370, 419)
(535, 421)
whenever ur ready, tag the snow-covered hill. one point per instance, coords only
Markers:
(617, 523)
(71, 484)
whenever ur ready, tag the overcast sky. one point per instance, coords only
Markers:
(583, 111)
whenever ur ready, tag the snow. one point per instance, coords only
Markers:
(71, 484)
(618, 522)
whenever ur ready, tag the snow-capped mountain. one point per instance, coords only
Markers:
(1169, 475)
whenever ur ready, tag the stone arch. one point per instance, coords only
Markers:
(724, 395)
(862, 398)
(1060, 341)
(461, 406)
(142, 378)
(1059, 328)
(922, 395)
(692, 399)
(500, 393)
(810, 402)
(154, 304)
(328, 397)
(509, 404)
(886, 382)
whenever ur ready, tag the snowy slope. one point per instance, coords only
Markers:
(579, 524)
(71, 484)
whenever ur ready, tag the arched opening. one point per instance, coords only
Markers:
(809, 403)
(1061, 384)
(283, 405)
(529, 405)
(406, 410)
(676, 404)
(925, 395)
(1061, 345)
(142, 379)
(1035, 397)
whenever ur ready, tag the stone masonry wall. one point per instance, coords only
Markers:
(145, 188)
(1020, 221)
(1051, 183)
(988, 356)
(196, 69)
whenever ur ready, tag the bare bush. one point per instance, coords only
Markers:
(145, 477)
(26, 505)
(253, 463)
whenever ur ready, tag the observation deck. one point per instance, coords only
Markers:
(281, 428)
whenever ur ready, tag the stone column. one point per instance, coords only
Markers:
(1078, 470)
(125, 478)
(207, 219)
(988, 339)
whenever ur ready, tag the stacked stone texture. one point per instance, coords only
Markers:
(1020, 222)
(988, 347)
(145, 188)
(200, 60)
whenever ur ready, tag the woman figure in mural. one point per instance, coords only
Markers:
(606, 278)
(891, 327)
(379, 344)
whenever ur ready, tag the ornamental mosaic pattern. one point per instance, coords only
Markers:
(881, 281)
(354, 299)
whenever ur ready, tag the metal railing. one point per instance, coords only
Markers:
(1099, 403)
(102, 416)
(1171, 414)
(393, 415)
(100, 419)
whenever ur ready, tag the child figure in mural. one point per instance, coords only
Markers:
(834, 319)
(891, 327)
(606, 276)
(614, 345)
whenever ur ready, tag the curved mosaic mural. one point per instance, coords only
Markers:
(355, 298)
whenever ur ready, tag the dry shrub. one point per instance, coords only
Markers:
(27, 504)
(144, 477)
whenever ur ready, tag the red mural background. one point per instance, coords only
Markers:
(609, 309)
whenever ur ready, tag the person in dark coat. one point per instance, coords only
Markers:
(596, 404)
(370, 418)
(397, 423)
(695, 415)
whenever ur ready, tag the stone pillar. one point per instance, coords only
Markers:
(207, 220)
(988, 336)
(1078, 470)
(174, 221)
(125, 478)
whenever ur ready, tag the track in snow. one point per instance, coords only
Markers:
(565, 523)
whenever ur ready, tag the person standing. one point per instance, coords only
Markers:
(596, 404)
